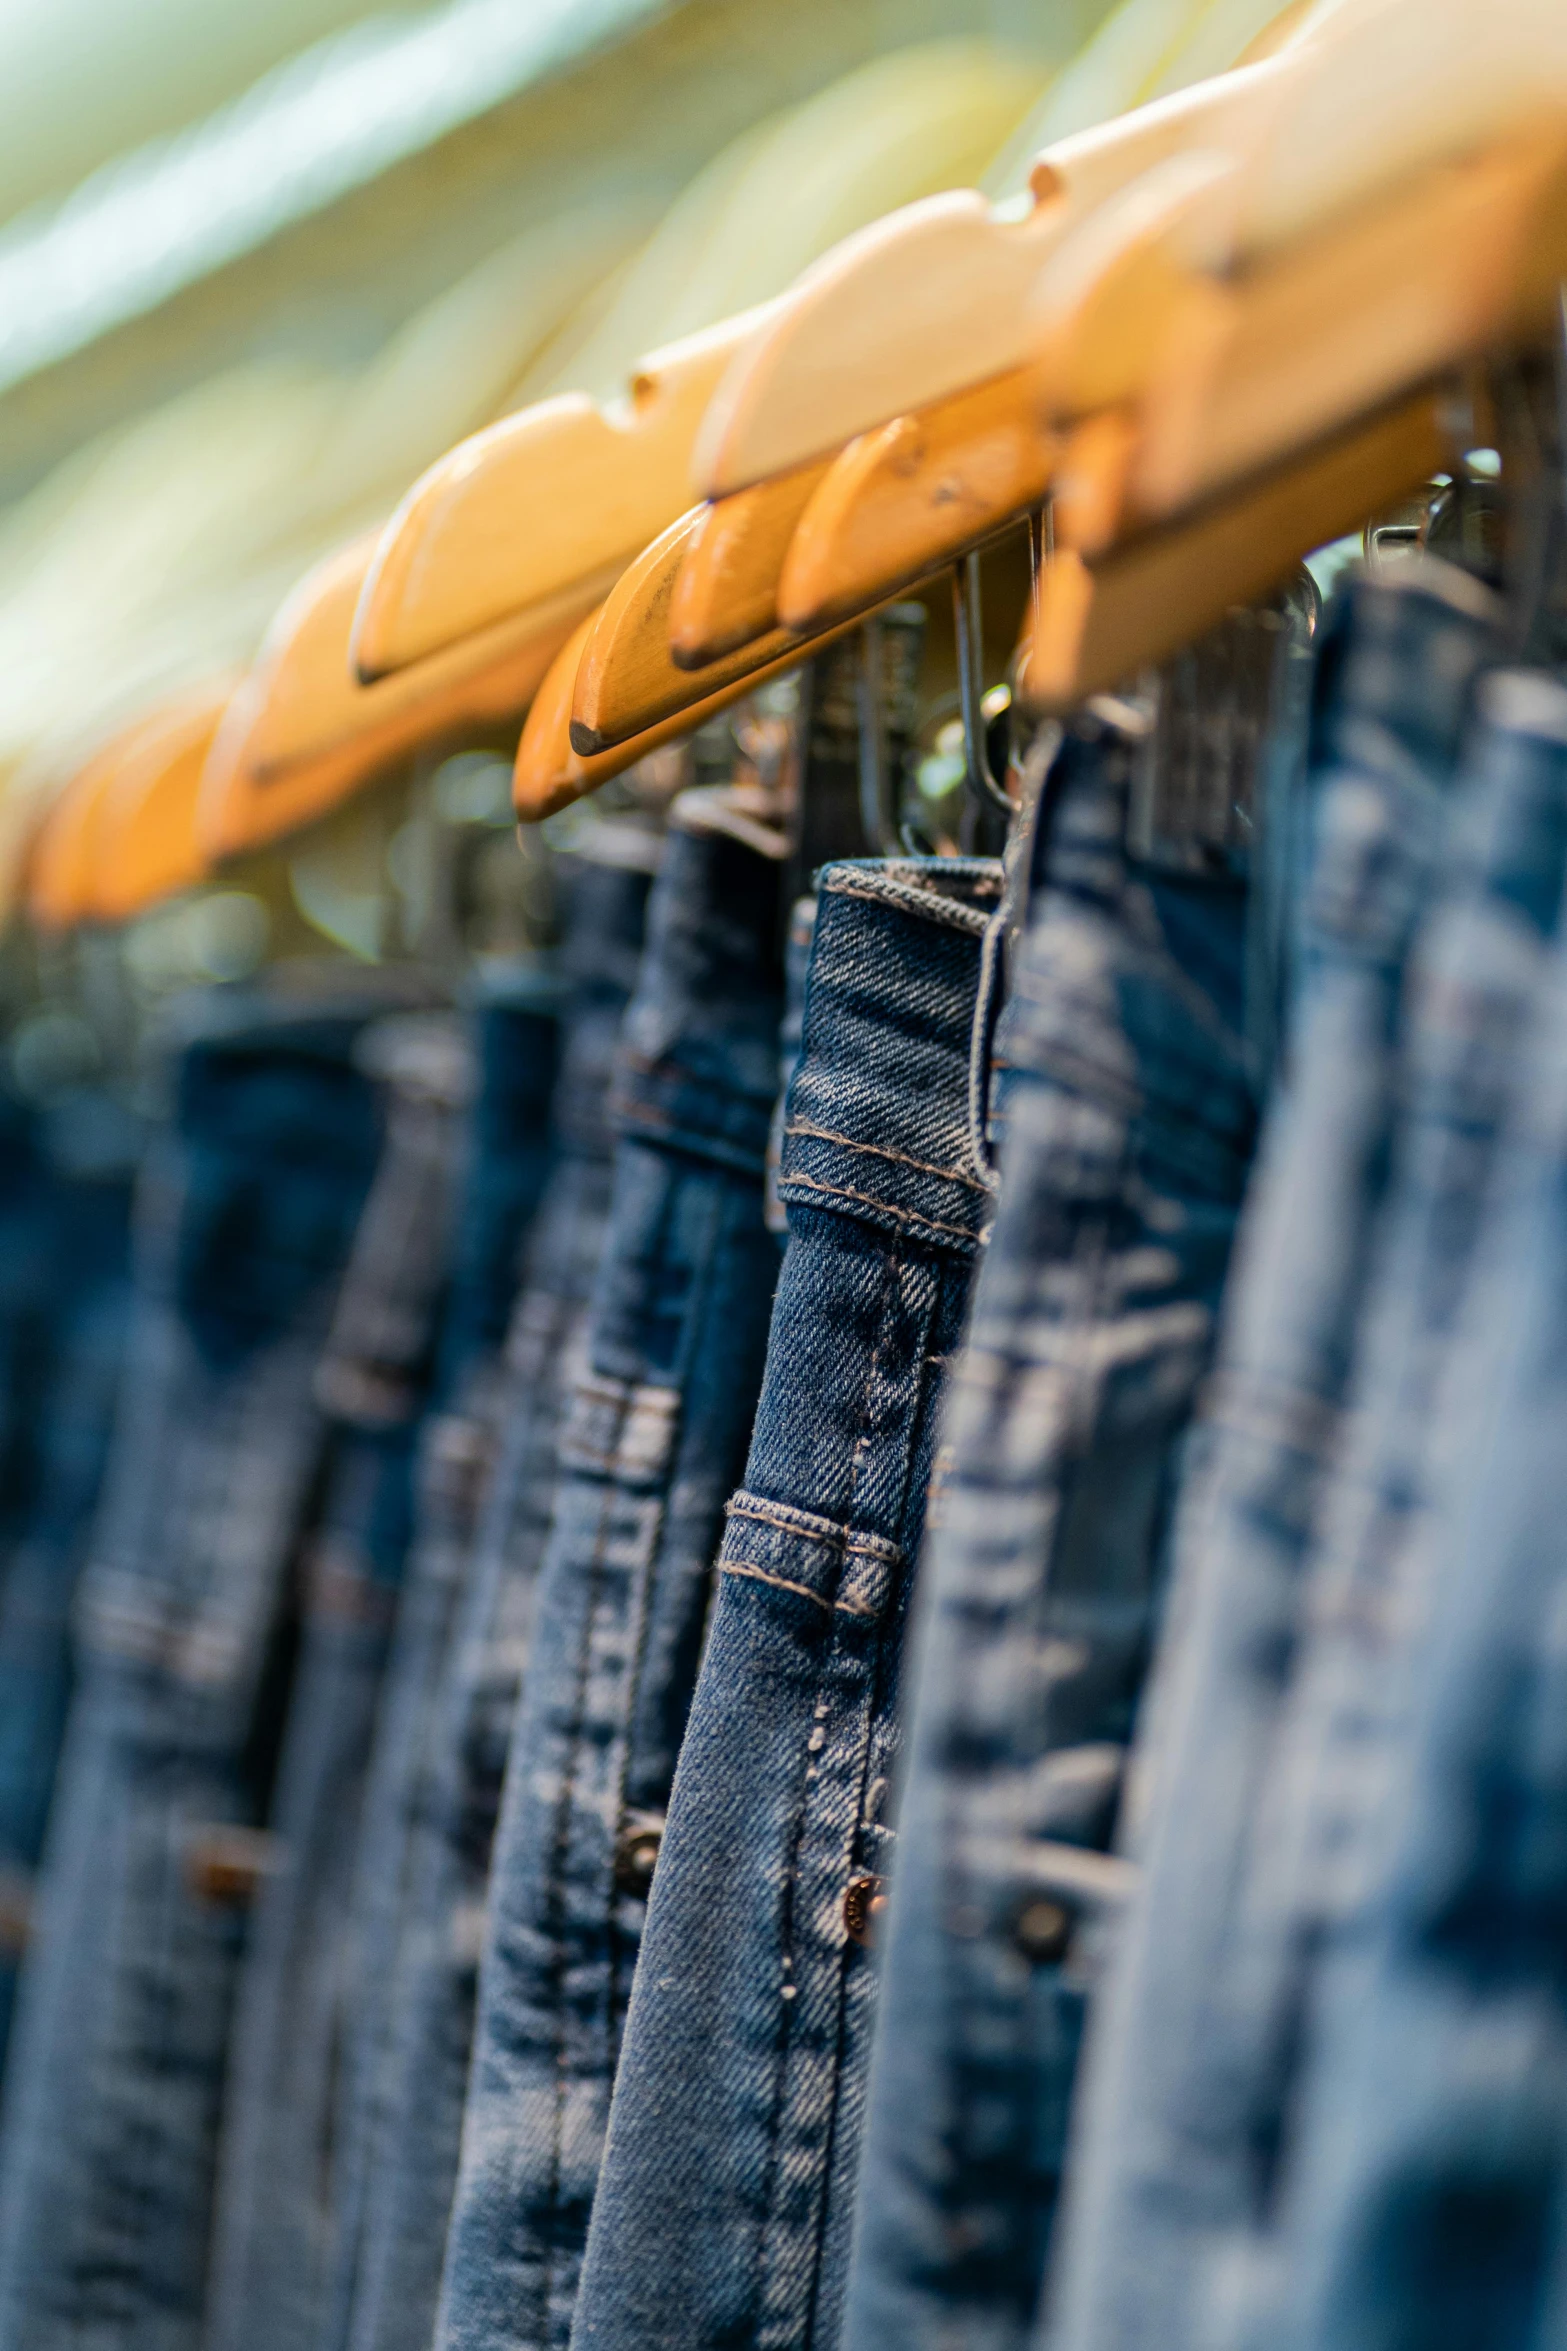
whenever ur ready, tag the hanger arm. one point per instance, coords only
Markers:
(556, 499)
(726, 592)
(905, 500)
(145, 846)
(1102, 618)
(930, 301)
(550, 774)
(300, 737)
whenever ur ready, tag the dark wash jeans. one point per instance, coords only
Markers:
(654, 1439)
(1128, 1124)
(81, 1259)
(1158, 2174)
(445, 1731)
(726, 2194)
(1387, 1946)
(273, 2228)
(109, 2139)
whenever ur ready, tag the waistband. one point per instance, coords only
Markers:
(697, 1069)
(876, 1120)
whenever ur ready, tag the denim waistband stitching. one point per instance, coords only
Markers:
(815, 1528)
(761, 1575)
(904, 1216)
(951, 1175)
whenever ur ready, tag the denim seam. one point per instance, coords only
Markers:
(907, 898)
(761, 1575)
(813, 1527)
(766, 2237)
(951, 1175)
(560, 1832)
(910, 1217)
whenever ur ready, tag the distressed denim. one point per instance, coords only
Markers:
(1122, 1071)
(1155, 2174)
(1405, 2220)
(81, 1259)
(653, 1443)
(425, 1871)
(726, 2193)
(273, 2229)
(109, 2139)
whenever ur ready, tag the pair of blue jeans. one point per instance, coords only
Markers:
(1158, 2171)
(79, 1254)
(447, 1720)
(726, 2193)
(1128, 1117)
(653, 1441)
(1394, 1960)
(247, 1215)
(273, 2230)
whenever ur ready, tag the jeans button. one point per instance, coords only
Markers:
(863, 1903)
(636, 1855)
(1042, 1931)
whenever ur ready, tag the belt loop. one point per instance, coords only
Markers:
(982, 1037)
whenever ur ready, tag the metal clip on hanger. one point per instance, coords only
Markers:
(967, 620)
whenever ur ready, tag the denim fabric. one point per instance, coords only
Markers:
(654, 1440)
(108, 2145)
(445, 1730)
(24, 1308)
(1129, 1119)
(726, 2193)
(273, 2225)
(82, 1262)
(1412, 2263)
(1153, 2178)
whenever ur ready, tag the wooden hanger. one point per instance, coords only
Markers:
(1103, 618)
(626, 678)
(1206, 380)
(726, 592)
(299, 736)
(930, 301)
(627, 681)
(550, 773)
(59, 863)
(144, 842)
(912, 496)
(551, 502)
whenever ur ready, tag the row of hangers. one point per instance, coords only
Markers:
(1219, 330)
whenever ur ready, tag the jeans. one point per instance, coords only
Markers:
(273, 2228)
(726, 2193)
(82, 1260)
(447, 1722)
(1410, 2218)
(653, 1441)
(1128, 1124)
(1156, 2174)
(515, 1040)
(109, 2137)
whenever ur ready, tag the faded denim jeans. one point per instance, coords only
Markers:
(726, 2195)
(426, 1857)
(1157, 2173)
(1122, 1079)
(273, 2231)
(109, 2142)
(654, 1439)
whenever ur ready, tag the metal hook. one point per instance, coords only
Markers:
(971, 686)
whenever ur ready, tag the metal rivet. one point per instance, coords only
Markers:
(1042, 1931)
(863, 1903)
(636, 1857)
